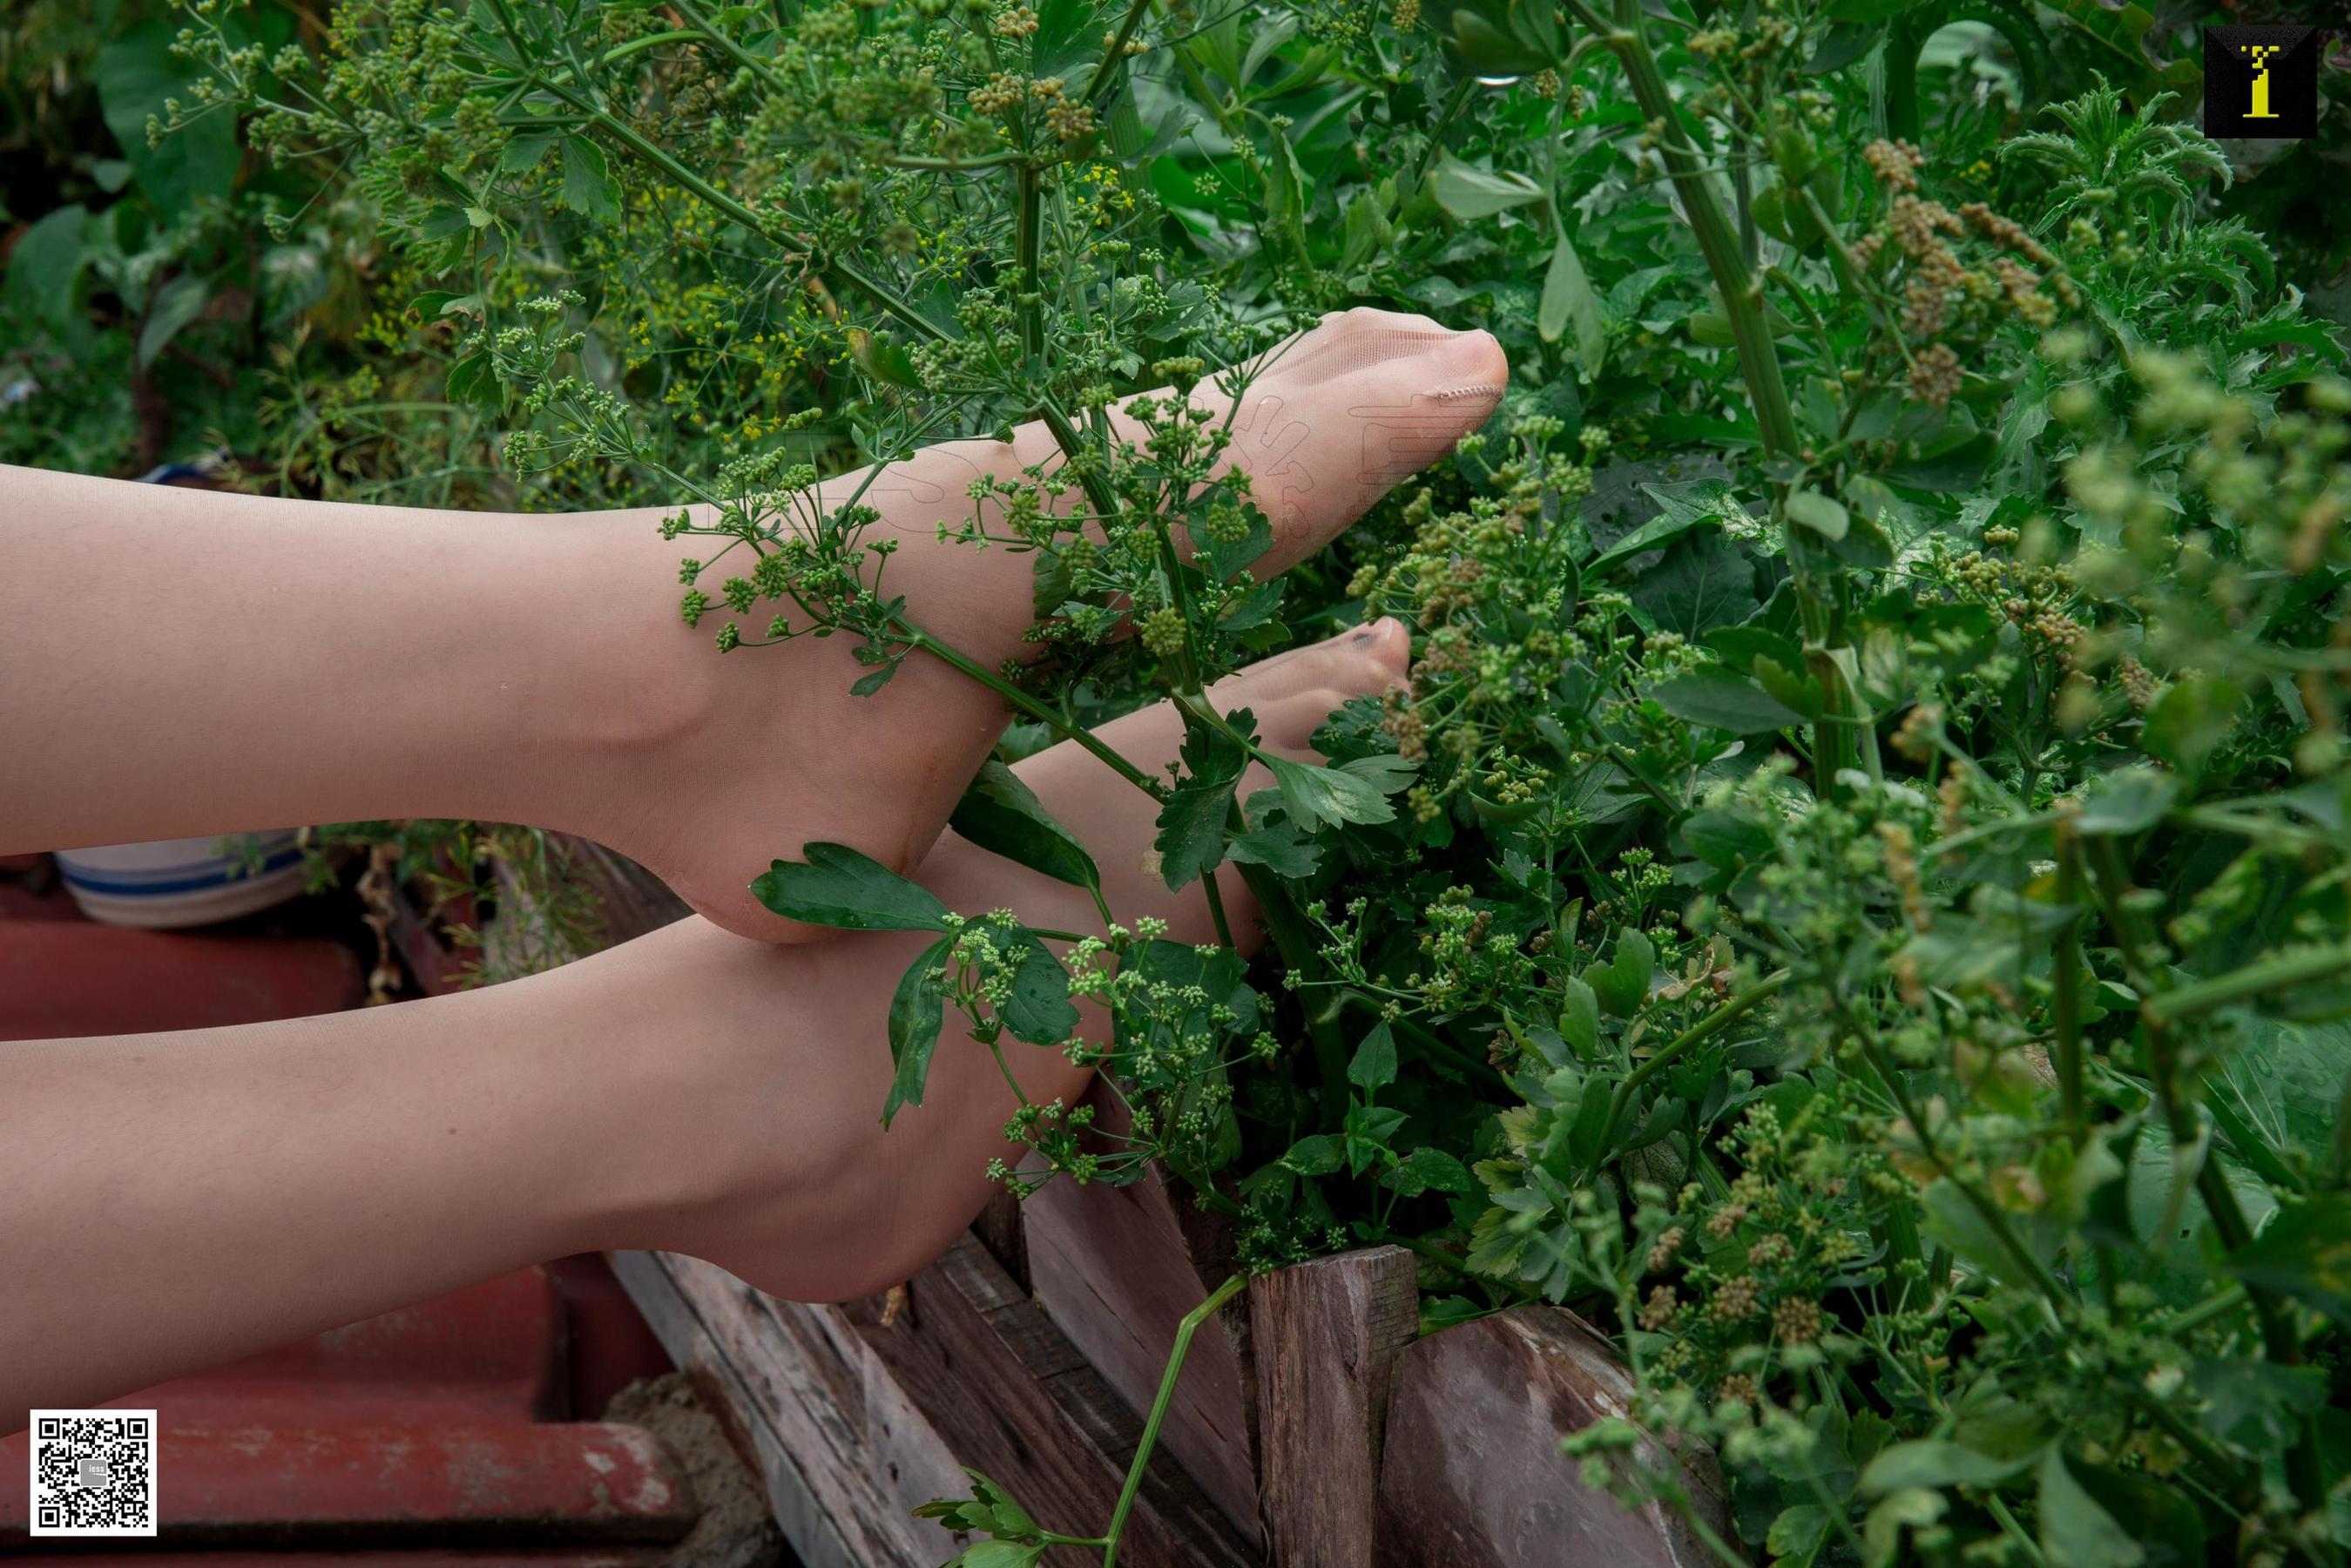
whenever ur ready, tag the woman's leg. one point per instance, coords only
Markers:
(174, 662)
(176, 1200)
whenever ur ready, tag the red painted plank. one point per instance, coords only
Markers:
(491, 1352)
(386, 1485)
(63, 979)
(454, 1557)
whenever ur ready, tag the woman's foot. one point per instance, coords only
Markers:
(766, 749)
(767, 1139)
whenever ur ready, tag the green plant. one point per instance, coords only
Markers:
(1851, 899)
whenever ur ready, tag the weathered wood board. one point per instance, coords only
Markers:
(822, 1423)
(854, 1419)
(1472, 1476)
(1117, 1267)
(1327, 1337)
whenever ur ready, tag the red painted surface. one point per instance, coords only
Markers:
(382, 1485)
(608, 1344)
(491, 1352)
(442, 1425)
(61, 978)
(424, 1557)
(440, 1435)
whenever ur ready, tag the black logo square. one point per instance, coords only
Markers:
(2261, 81)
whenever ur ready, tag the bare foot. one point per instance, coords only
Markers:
(767, 751)
(775, 1161)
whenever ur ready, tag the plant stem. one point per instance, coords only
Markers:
(704, 191)
(2282, 1343)
(957, 659)
(1294, 940)
(1116, 51)
(2271, 974)
(1184, 1333)
(1028, 240)
(1217, 909)
(1665, 1056)
(734, 51)
(2066, 981)
(1742, 303)
(1437, 135)
(1717, 240)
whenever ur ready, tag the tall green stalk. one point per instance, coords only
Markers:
(1751, 332)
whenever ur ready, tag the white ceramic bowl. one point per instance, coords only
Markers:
(183, 881)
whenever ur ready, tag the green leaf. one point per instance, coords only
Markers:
(1567, 298)
(1383, 770)
(1621, 985)
(1191, 837)
(2158, 1514)
(1727, 840)
(1320, 797)
(1797, 1534)
(1279, 849)
(1954, 461)
(527, 151)
(1318, 1154)
(917, 1014)
(1492, 50)
(1037, 1008)
(999, 1555)
(2304, 1252)
(882, 357)
(1003, 816)
(475, 380)
(2075, 1530)
(1716, 697)
(839, 887)
(1792, 685)
(1704, 581)
(47, 265)
(1881, 1529)
(2257, 1403)
(1375, 1063)
(2191, 719)
(1578, 1018)
(1823, 514)
(2127, 801)
(1469, 193)
(2285, 1080)
(135, 74)
(589, 188)
(175, 305)
(1933, 1462)
(1425, 1168)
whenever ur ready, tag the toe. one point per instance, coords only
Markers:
(1292, 693)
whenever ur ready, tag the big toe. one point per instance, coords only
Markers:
(1355, 408)
(1292, 693)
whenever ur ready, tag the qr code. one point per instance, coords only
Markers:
(93, 1472)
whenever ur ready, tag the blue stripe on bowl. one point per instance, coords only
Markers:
(149, 874)
(127, 884)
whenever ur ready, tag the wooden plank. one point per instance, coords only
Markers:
(854, 1422)
(1011, 1397)
(1472, 1476)
(1001, 1230)
(1117, 1267)
(1326, 1337)
(838, 1466)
